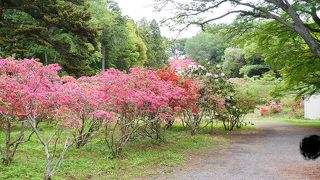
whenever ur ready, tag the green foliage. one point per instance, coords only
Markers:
(136, 48)
(70, 33)
(205, 46)
(124, 46)
(284, 50)
(59, 29)
(259, 90)
(176, 47)
(155, 43)
(233, 60)
(254, 70)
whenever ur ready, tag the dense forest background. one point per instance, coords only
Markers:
(75, 33)
(86, 36)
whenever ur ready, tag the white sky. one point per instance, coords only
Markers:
(137, 9)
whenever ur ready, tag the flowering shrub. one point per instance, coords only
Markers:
(30, 92)
(190, 93)
(26, 87)
(181, 65)
(264, 110)
(141, 101)
(218, 100)
(187, 104)
(276, 108)
(85, 99)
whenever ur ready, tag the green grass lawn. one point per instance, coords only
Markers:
(284, 119)
(301, 122)
(141, 158)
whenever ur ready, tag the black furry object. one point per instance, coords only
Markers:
(310, 147)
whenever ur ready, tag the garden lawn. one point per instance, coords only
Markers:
(140, 158)
(286, 120)
(302, 122)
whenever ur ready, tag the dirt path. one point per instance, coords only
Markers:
(273, 153)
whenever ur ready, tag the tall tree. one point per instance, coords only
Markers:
(49, 28)
(205, 46)
(282, 50)
(155, 43)
(299, 16)
(176, 47)
(136, 48)
(124, 47)
(290, 42)
(233, 60)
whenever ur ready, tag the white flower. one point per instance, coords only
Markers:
(216, 114)
(222, 74)
(208, 74)
(179, 73)
(216, 76)
(192, 67)
(218, 66)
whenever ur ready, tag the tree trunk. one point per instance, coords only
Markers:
(46, 58)
(103, 50)
(7, 158)
(48, 168)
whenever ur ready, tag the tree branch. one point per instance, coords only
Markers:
(220, 17)
(315, 16)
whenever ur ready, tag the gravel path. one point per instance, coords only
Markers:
(272, 153)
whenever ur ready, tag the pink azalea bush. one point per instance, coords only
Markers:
(264, 110)
(28, 94)
(140, 103)
(276, 108)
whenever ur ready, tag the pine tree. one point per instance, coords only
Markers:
(55, 29)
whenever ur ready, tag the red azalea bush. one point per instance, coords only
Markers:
(190, 95)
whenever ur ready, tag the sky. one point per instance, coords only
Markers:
(137, 9)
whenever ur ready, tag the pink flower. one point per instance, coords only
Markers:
(180, 65)
(276, 107)
(264, 111)
(99, 114)
(177, 108)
